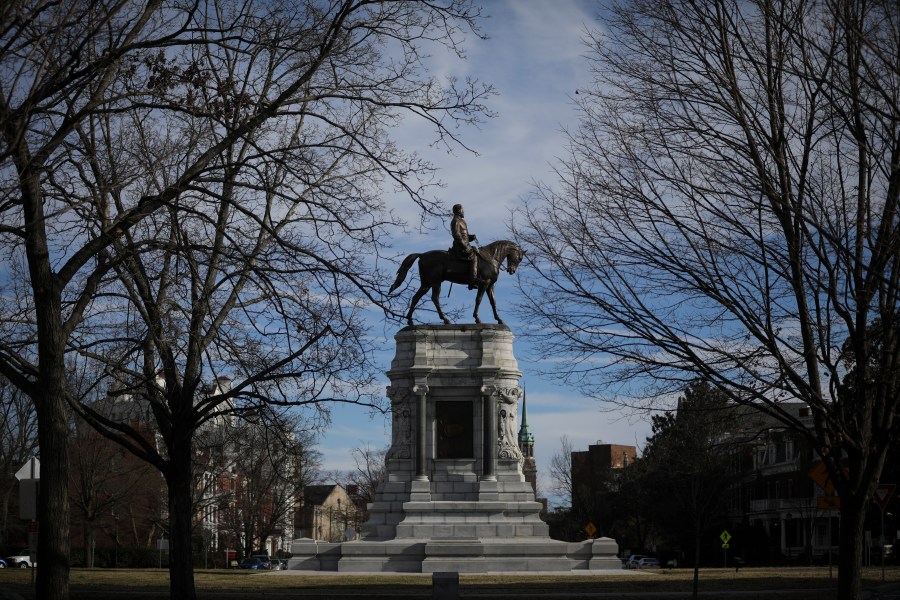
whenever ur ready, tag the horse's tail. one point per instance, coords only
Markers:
(403, 270)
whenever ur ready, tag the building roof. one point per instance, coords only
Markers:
(317, 494)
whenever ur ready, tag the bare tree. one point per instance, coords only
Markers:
(369, 472)
(729, 209)
(361, 482)
(561, 471)
(267, 458)
(221, 97)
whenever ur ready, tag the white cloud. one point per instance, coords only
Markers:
(533, 58)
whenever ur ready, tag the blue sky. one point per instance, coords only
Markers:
(534, 59)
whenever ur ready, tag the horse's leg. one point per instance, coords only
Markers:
(490, 293)
(478, 298)
(436, 298)
(415, 300)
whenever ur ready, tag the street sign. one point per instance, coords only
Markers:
(590, 529)
(725, 537)
(819, 474)
(29, 476)
(30, 470)
(883, 494)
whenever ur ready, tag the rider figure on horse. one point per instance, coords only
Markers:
(462, 247)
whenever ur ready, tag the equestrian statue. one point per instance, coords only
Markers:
(462, 263)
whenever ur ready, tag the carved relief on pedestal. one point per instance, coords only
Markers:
(401, 423)
(507, 443)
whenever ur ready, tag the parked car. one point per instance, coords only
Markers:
(2, 564)
(21, 560)
(276, 565)
(632, 561)
(265, 558)
(253, 563)
(647, 563)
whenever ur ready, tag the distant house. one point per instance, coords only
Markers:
(784, 497)
(327, 512)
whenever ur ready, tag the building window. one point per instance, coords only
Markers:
(781, 452)
(821, 534)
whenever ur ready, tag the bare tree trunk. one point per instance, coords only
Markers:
(181, 561)
(853, 519)
(53, 501)
(86, 545)
(53, 433)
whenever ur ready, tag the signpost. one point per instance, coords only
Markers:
(590, 529)
(725, 537)
(882, 496)
(162, 544)
(29, 477)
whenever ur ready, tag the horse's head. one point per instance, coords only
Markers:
(513, 259)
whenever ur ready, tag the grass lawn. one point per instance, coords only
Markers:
(152, 584)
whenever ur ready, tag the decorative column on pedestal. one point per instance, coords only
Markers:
(489, 441)
(421, 392)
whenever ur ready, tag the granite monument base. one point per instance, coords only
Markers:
(454, 497)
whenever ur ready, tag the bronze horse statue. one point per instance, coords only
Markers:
(436, 266)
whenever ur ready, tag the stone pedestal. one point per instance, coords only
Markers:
(454, 497)
(453, 468)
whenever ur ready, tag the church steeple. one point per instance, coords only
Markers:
(526, 439)
(526, 445)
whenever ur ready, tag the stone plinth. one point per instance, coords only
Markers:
(454, 497)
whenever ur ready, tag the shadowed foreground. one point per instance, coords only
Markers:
(152, 584)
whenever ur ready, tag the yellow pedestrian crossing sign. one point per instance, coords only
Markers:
(590, 529)
(725, 537)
